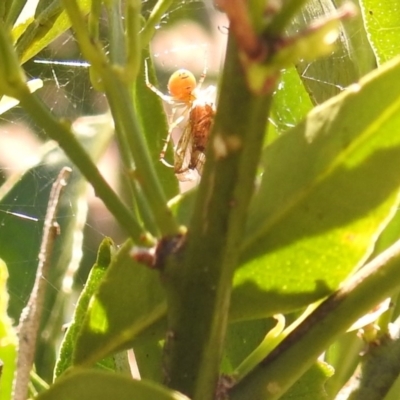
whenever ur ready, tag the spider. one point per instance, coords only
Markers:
(196, 107)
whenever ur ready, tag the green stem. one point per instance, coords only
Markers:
(123, 55)
(91, 48)
(45, 16)
(154, 19)
(12, 10)
(129, 132)
(13, 84)
(384, 321)
(293, 357)
(133, 45)
(271, 340)
(121, 107)
(117, 53)
(74, 150)
(94, 19)
(12, 77)
(143, 209)
(198, 283)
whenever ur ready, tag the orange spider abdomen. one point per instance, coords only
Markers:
(181, 85)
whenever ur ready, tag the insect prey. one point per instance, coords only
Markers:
(193, 109)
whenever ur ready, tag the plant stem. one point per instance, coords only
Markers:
(117, 51)
(74, 150)
(154, 19)
(198, 282)
(133, 45)
(29, 323)
(120, 101)
(13, 84)
(293, 357)
(121, 107)
(13, 10)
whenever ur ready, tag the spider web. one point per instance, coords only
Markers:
(190, 33)
(68, 93)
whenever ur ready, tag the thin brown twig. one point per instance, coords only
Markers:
(31, 315)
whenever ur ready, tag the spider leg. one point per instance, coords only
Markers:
(203, 74)
(166, 98)
(172, 126)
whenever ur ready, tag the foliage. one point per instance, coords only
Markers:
(258, 274)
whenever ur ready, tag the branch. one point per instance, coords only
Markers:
(375, 282)
(30, 319)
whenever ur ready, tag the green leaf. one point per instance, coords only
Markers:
(291, 102)
(241, 339)
(95, 277)
(360, 49)
(44, 29)
(329, 187)
(149, 359)
(382, 22)
(12, 9)
(23, 202)
(105, 386)
(129, 305)
(388, 237)
(8, 339)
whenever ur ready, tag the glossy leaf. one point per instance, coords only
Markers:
(242, 338)
(327, 191)
(129, 305)
(95, 277)
(44, 28)
(360, 48)
(291, 102)
(105, 386)
(149, 359)
(382, 21)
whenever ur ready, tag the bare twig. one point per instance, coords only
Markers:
(31, 315)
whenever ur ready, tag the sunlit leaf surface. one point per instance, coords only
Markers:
(329, 187)
(382, 21)
(105, 386)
